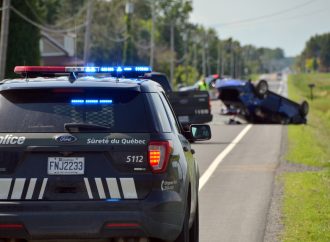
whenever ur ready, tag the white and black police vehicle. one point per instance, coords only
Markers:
(95, 153)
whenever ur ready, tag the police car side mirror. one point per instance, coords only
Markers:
(200, 132)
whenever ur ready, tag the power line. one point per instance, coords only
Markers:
(43, 27)
(3, 8)
(62, 22)
(278, 13)
(34, 12)
(294, 17)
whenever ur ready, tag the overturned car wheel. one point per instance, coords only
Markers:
(262, 88)
(304, 108)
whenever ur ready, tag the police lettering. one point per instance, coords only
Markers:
(133, 141)
(9, 139)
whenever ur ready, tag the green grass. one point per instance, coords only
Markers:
(307, 209)
(254, 77)
(306, 203)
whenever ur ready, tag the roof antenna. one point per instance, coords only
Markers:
(75, 43)
(72, 77)
(25, 73)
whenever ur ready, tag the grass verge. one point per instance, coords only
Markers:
(254, 77)
(306, 202)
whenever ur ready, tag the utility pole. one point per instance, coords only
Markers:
(4, 37)
(185, 39)
(172, 52)
(128, 52)
(89, 18)
(152, 38)
(204, 57)
(208, 64)
(232, 64)
(219, 59)
(223, 61)
(195, 57)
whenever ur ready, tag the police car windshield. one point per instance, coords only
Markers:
(79, 110)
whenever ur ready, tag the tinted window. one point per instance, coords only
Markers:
(162, 80)
(161, 116)
(170, 113)
(48, 110)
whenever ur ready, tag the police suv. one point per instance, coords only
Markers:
(95, 153)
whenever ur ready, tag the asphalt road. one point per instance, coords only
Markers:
(235, 199)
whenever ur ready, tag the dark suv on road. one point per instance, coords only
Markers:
(84, 156)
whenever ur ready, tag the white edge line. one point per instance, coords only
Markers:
(211, 169)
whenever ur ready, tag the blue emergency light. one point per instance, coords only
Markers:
(72, 71)
(90, 101)
(82, 69)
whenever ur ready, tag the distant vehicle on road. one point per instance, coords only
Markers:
(257, 104)
(190, 107)
(210, 80)
(279, 76)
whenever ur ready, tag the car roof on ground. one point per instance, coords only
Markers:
(229, 83)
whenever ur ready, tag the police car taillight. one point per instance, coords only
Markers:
(11, 226)
(159, 154)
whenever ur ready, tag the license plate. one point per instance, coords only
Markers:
(183, 119)
(66, 165)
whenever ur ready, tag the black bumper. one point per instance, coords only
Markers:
(94, 219)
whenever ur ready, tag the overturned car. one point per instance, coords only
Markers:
(257, 104)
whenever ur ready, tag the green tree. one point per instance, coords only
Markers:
(185, 75)
(325, 53)
(23, 39)
(317, 47)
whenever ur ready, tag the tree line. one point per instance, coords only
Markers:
(316, 54)
(156, 32)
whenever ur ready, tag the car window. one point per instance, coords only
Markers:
(170, 113)
(49, 110)
(162, 80)
(160, 113)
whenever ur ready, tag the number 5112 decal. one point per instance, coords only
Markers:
(134, 159)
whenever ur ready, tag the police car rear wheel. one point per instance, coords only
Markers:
(194, 230)
(184, 235)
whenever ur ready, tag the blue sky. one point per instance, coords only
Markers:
(291, 24)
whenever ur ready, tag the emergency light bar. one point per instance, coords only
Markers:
(121, 70)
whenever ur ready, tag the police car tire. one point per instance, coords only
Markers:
(184, 235)
(194, 230)
(262, 88)
(304, 108)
